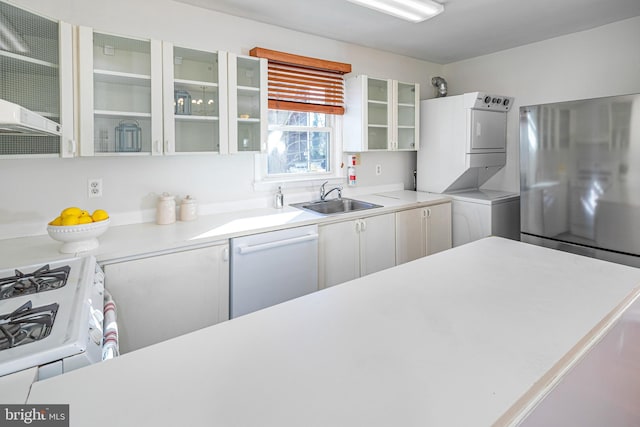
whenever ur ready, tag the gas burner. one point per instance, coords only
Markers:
(43, 279)
(26, 324)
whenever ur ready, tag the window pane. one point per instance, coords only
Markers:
(279, 118)
(296, 145)
(298, 151)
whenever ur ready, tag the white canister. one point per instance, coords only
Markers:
(166, 209)
(188, 209)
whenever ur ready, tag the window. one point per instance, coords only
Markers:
(306, 99)
(299, 143)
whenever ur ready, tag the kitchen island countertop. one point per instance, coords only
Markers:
(466, 337)
(133, 240)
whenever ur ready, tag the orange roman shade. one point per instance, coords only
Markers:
(301, 83)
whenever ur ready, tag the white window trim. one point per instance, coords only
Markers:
(263, 182)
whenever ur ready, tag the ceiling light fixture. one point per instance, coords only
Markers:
(410, 10)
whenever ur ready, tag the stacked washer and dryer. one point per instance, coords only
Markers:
(463, 141)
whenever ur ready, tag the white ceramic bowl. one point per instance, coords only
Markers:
(78, 238)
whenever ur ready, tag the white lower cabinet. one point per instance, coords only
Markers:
(351, 249)
(423, 231)
(164, 296)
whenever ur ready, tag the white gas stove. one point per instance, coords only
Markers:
(51, 316)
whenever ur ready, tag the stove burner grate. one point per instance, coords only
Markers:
(26, 324)
(41, 280)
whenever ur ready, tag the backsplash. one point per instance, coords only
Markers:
(36, 190)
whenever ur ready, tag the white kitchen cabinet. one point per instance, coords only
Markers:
(406, 119)
(141, 97)
(195, 100)
(164, 296)
(381, 115)
(120, 100)
(422, 231)
(228, 96)
(355, 248)
(36, 69)
(248, 103)
(338, 253)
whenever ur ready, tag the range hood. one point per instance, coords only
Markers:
(17, 120)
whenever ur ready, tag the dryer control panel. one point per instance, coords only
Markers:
(487, 101)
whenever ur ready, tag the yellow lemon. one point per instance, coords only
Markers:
(85, 213)
(72, 211)
(85, 219)
(99, 215)
(57, 221)
(69, 220)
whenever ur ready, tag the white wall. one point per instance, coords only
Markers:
(600, 62)
(34, 191)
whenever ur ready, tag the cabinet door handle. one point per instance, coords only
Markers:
(428, 213)
(357, 226)
(158, 146)
(225, 254)
(72, 146)
(363, 226)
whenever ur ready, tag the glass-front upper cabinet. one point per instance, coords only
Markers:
(368, 118)
(120, 94)
(36, 73)
(381, 115)
(195, 100)
(378, 113)
(407, 115)
(248, 104)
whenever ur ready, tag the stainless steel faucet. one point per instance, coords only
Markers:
(323, 194)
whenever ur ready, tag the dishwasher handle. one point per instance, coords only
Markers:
(243, 250)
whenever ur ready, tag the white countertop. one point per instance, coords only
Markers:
(137, 239)
(465, 337)
(482, 196)
(603, 388)
(14, 388)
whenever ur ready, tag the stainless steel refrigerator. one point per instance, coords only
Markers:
(580, 177)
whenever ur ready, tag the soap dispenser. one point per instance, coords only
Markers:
(279, 199)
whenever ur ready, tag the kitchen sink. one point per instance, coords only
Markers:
(335, 206)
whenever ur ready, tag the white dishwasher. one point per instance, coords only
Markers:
(270, 268)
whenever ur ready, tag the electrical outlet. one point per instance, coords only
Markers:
(378, 169)
(95, 187)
